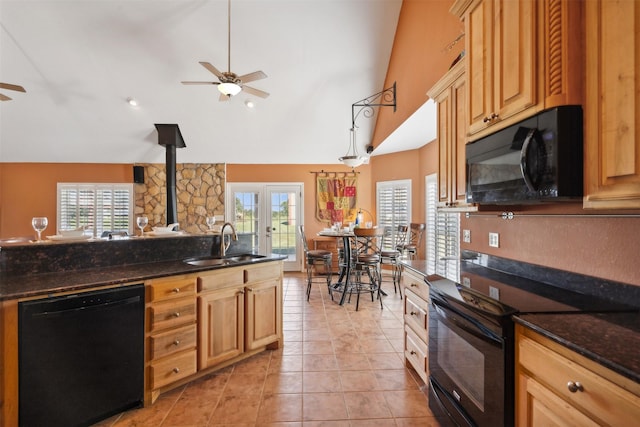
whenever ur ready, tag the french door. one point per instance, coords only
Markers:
(266, 218)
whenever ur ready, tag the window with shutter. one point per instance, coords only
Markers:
(99, 207)
(393, 205)
(443, 235)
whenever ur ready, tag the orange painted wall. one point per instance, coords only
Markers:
(419, 58)
(302, 173)
(29, 189)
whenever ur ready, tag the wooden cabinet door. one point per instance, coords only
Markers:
(514, 62)
(449, 94)
(264, 313)
(612, 108)
(501, 50)
(221, 326)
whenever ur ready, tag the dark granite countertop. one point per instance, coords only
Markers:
(611, 339)
(30, 285)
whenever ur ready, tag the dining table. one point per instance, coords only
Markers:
(345, 269)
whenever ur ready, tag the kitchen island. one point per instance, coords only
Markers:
(188, 308)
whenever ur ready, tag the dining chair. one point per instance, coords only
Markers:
(366, 263)
(313, 258)
(393, 238)
(409, 249)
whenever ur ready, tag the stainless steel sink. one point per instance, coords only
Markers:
(215, 261)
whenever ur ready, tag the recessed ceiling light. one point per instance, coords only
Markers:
(133, 102)
(249, 103)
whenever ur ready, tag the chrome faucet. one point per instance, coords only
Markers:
(234, 236)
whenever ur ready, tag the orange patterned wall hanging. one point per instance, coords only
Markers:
(336, 197)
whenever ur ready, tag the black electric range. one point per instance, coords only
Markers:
(471, 339)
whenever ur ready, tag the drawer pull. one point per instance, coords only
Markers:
(574, 386)
(176, 370)
(176, 290)
(176, 342)
(413, 313)
(414, 285)
(176, 314)
(413, 353)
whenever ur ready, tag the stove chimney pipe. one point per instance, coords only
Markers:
(170, 137)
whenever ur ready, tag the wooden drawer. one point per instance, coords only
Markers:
(416, 353)
(416, 284)
(416, 314)
(258, 273)
(166, 343)
(160, 290)
(172, 313)
(169, 370)
(223, 278)
(601, 398)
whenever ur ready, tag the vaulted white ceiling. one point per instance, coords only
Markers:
(79, 61)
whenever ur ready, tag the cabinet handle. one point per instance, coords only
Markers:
(413, 353)
(176, 290)
(491, 118)
(250, 289)
(414, 285)
(176, 342)
(176, 370)
(413, 313)
(176, 314)
(574, 386)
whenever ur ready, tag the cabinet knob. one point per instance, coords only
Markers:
(413, 353)
(176, 342)
(574, 386)
(413, 313)
(486, 119)
(176, 314)
(176, 290)
(250, 289)
(414, 285)
(176, 370)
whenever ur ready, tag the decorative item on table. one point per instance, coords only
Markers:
(39, 224)
(169, 229)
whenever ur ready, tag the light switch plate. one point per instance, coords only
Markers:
(494, 240)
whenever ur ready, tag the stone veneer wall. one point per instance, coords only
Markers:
(199, 194)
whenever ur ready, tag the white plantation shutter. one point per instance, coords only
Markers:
(100, 207)
(393, 204)
(443, 235)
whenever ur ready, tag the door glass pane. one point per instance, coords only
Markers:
(283, 224)
(247, 216)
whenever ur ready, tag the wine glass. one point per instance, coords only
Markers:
(39, 223)
(211, 220)
(142, 222)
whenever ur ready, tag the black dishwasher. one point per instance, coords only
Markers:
(81, 356)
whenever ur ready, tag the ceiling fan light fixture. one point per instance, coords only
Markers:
(229, 89)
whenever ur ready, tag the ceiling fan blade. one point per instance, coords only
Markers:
(224, 97)
(213, 69)
(256, 92)
(200, 83)
(4, 98)
(12, 87)
(256, 75)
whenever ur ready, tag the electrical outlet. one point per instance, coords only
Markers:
(494, 240)
(466, 282)
(466, 236)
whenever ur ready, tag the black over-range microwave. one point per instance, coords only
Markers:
(536, 160)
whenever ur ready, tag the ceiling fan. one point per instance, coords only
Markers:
(10, 87)
(230, 83)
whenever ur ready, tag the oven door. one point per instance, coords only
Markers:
(468, 364)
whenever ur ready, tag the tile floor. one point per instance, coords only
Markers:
(338, 367)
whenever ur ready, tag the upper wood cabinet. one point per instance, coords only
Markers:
(449, 93)
(612, 107)
(522, 56)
